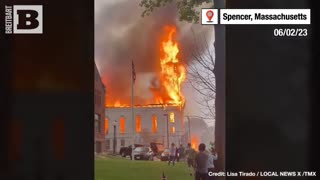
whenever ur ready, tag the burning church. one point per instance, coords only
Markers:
(143, 64)
(158, 118)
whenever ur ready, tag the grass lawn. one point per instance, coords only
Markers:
(115, 168)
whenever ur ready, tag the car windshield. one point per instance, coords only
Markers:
(166, 150)
(139, 149)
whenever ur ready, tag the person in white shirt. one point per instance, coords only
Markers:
(212, 156)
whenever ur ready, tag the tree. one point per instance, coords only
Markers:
(201, 75)
(207, 77)
(187, 12)
(186, 8)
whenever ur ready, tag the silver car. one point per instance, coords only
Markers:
(143, 153)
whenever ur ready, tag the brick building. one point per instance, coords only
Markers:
(99, 110)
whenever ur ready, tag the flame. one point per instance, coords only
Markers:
(171, 76)
(194, 142)
(172, 72)
(117, 104)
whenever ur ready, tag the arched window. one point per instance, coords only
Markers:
(154, 124)
(138, 123)
(121, 125)
(106, 126)
(171, 117)
(172, 130)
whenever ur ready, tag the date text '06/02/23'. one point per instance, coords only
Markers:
(290, 32)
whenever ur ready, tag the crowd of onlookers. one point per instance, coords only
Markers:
(199, 163)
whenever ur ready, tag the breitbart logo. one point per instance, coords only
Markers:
(23, 19)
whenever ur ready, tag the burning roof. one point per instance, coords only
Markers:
(165, 88)
(122, 35)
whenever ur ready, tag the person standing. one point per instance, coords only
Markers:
(190, 155)
(172, 154)
(212, 156)
(177, 155)
(181, 152)
(201, 163)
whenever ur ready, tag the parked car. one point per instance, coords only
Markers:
(150, 155)
(143, 153)
(157, 148)
(126, 151)
(165, 155)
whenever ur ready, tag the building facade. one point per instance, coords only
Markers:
(162, 124)
(99, 116)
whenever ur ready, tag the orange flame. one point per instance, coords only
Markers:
(117, 104)
(172, 74)
(194, 142)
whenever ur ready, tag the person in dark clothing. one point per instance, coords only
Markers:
(201, 163)
(177, 155)
(181, 151)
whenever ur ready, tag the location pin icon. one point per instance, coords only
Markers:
(209, 14)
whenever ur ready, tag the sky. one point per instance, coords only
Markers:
(108, 30)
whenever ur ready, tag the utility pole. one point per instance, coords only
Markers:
(167, 129)
(189, 130)
(132, 104)
(114, 137)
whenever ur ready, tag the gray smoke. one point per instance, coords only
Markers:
(122, 35)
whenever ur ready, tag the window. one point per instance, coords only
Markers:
(172, 130)
(96, 116)
(154, 124)
(106, 126)
(121, 125)
(108, 144)
(122, 142)
(138, 124)
(171, 117)
(97, 122)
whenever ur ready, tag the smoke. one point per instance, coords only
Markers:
(122, 35)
